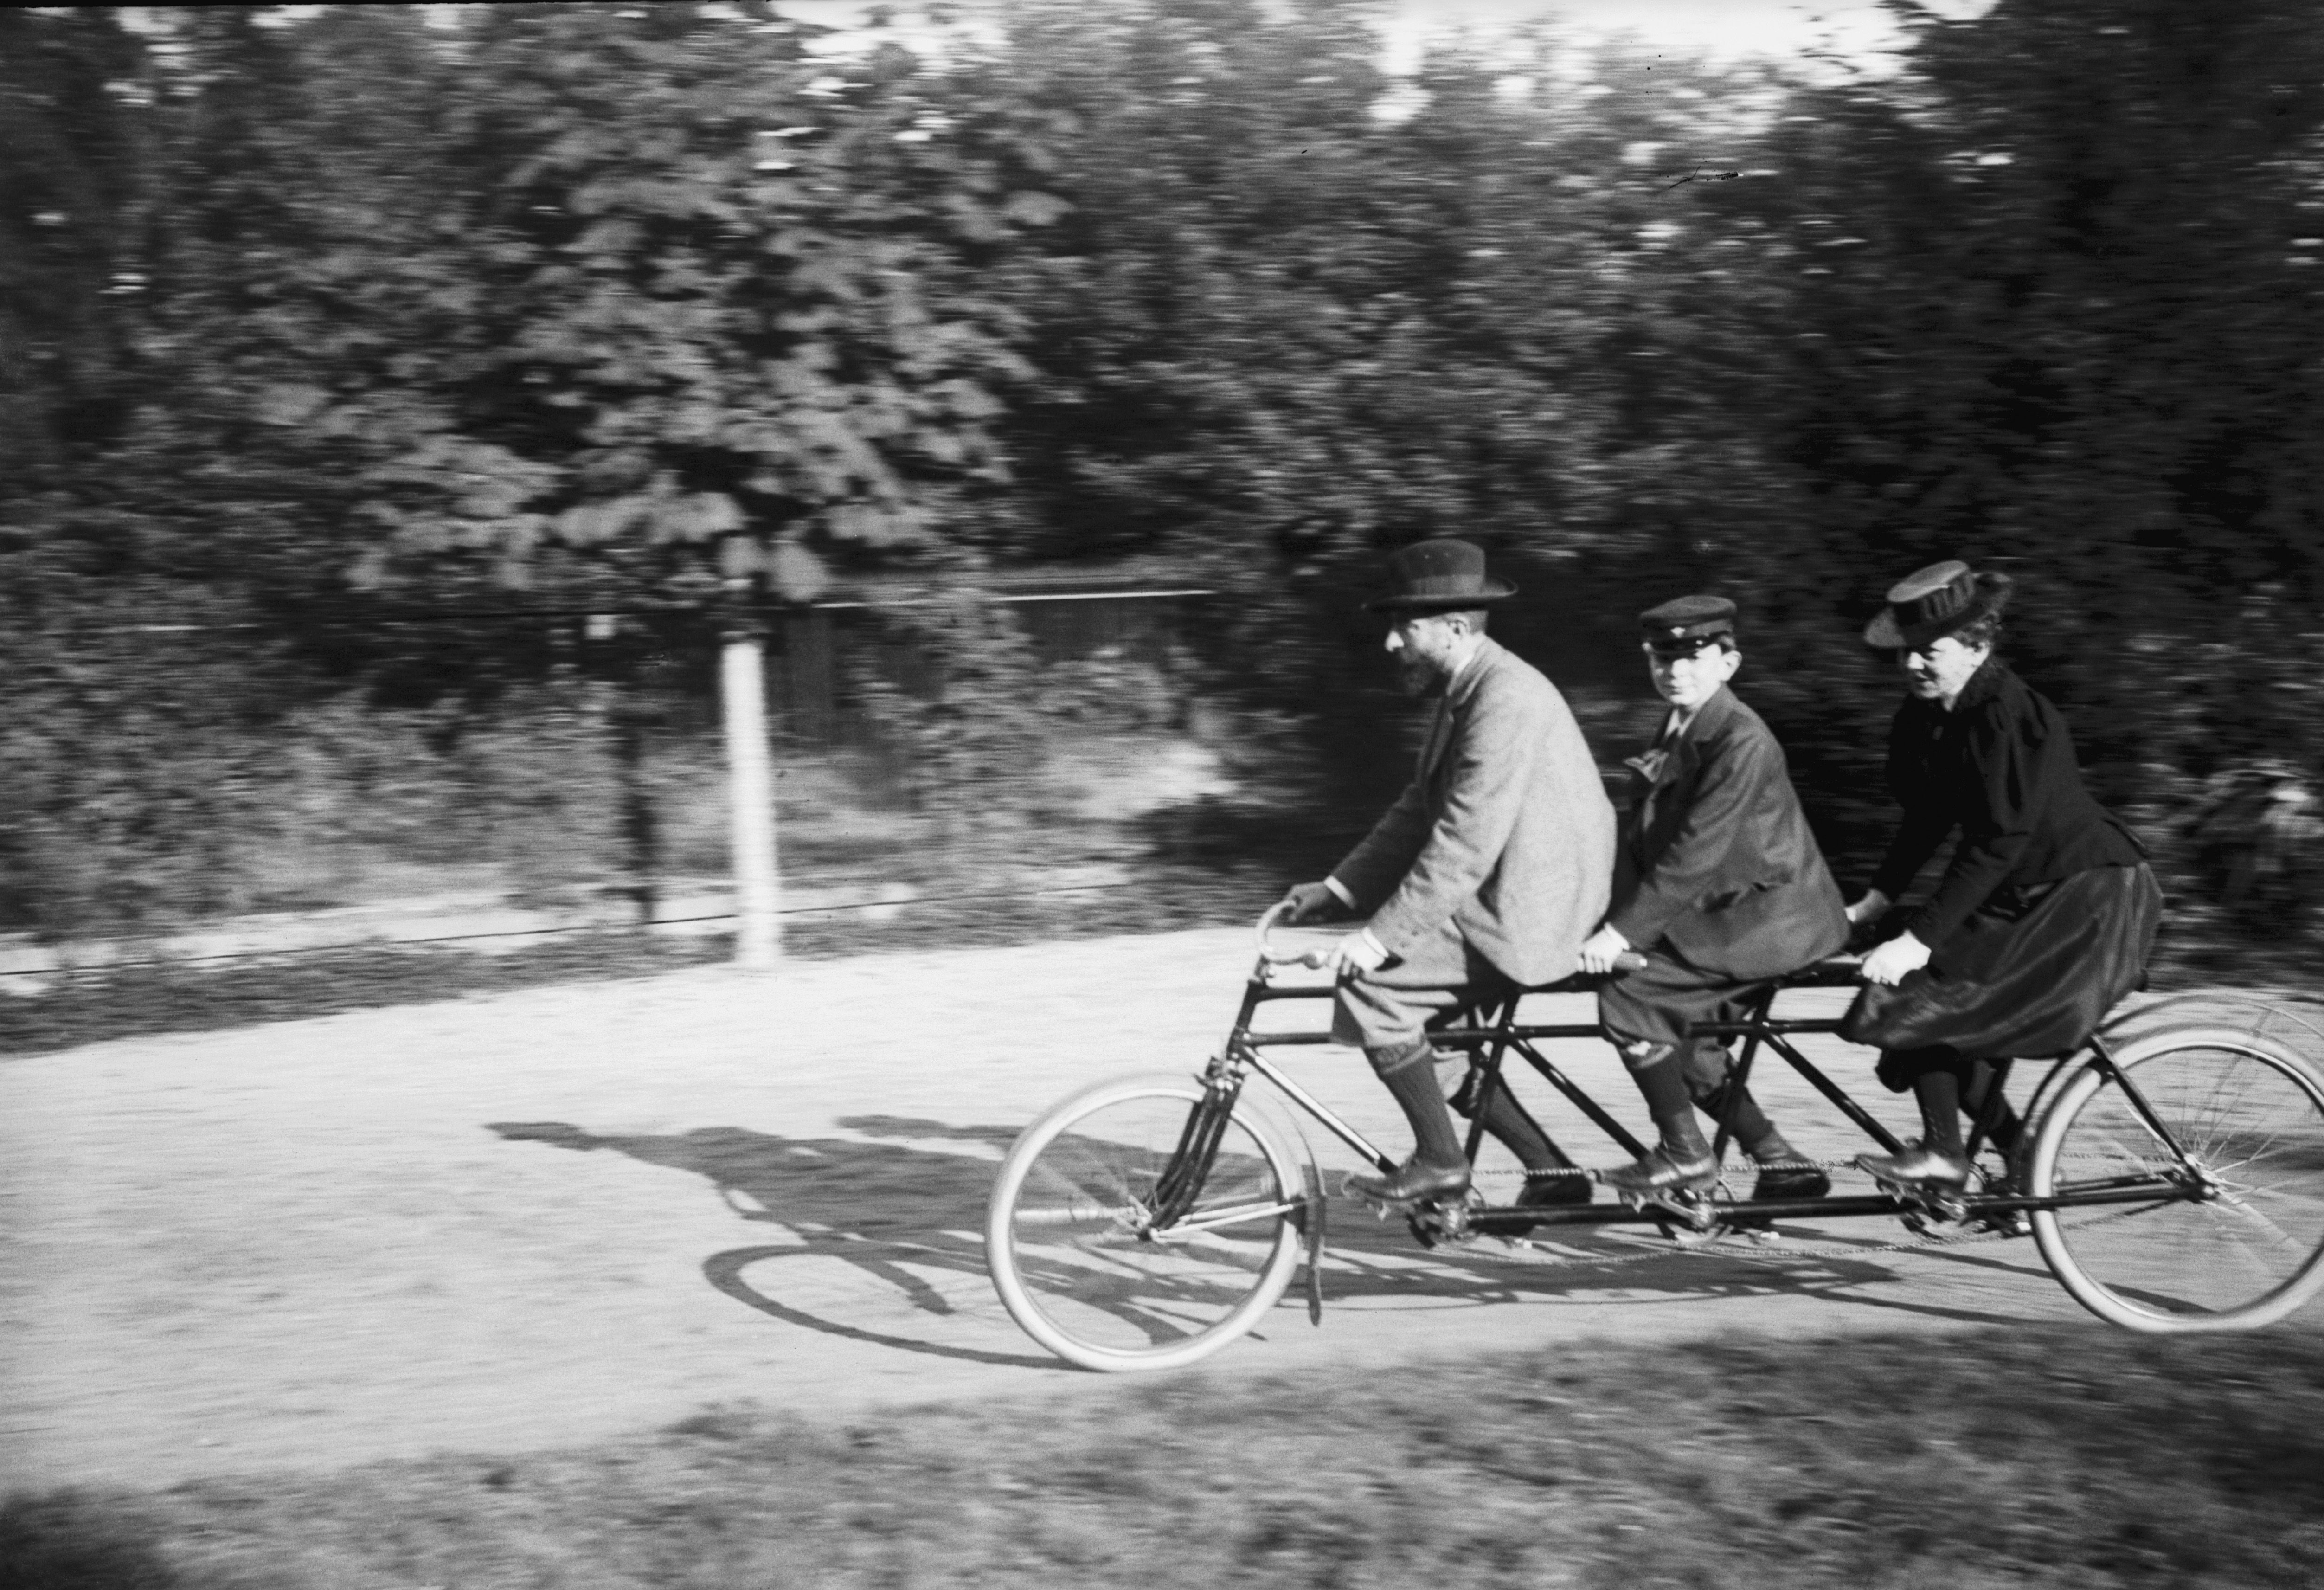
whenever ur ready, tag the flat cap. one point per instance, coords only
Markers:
(1685, 625)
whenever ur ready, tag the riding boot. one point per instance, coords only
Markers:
(1507, 1124)
(2008, 1126)
(1681, 1157)
(1939, 1159)
(1438, 1169)
(1937, 1091)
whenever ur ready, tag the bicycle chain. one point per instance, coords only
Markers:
(1715, 1243)
(1756, 1250)
(1795, 1163)
(1731, 1244)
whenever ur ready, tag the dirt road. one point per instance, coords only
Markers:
(543, 1218)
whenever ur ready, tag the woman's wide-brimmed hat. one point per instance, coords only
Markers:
(1440, 576)
(1933, 602)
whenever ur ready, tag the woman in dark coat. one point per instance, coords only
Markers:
(2047, 913)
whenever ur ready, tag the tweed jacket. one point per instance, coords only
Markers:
(2000, 766)
(1505, 832)
(1716, 857)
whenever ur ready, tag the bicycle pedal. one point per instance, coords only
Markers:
(1433, 1224)
(1691, 1202)
(1933, 1196)
(1944, 1207)
(1672, 1209)
(1697, 1219)
(1936, 1216)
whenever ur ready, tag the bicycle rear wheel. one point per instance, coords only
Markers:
(1080, 1259)
(2249, 1248)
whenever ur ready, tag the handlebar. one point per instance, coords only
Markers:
(1270, 955)
(1630, 960)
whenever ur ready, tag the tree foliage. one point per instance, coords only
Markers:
(311, 316)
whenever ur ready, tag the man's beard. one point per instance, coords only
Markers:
(1415, 678)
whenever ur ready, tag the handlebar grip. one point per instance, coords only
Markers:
(1273, 956)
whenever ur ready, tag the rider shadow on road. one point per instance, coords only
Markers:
(817, 1185)
(908, 1217)
(894, 1211)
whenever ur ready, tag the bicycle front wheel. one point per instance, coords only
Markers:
(2235, 1236)
(1088, 1267)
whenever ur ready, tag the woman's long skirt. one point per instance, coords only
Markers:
(2020, 978)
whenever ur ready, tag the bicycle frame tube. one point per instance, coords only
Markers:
(1491, 1032)
(1847, 1107)
(1738, 1080)
(1320, 1110)
(1990, 1108)
(1493, 1086)
(1488, 1088)
(2103, 1063)
(1576, 1097)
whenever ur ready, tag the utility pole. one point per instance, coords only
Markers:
(742, 697)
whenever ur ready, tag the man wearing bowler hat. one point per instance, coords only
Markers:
(1720, 884)
(1486, 873)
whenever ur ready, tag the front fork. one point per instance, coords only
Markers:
(1182, 1179)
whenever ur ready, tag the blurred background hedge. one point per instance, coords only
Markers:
(329, 339)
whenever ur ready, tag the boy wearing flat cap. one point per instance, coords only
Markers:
(1485, 876)
(1720, 885)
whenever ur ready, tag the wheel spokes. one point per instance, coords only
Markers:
(1097, 1279)
(2247, 1231)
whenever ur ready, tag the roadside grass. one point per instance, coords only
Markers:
(2058, 1456)
(128, 1002)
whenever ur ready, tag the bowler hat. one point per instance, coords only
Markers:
(1933, 602)
(1684, 626)
(1439, 576)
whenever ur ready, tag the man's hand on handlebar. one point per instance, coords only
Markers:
(1602, 950)
(1309, 902)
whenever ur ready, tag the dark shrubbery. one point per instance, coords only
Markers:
(317, 321)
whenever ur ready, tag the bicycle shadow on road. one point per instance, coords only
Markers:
(1374, 1264)
(905, 1212)
(898, 1214)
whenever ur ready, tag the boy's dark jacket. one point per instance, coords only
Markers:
(1715, 857)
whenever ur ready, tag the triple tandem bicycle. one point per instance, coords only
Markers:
(2171, 1171)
